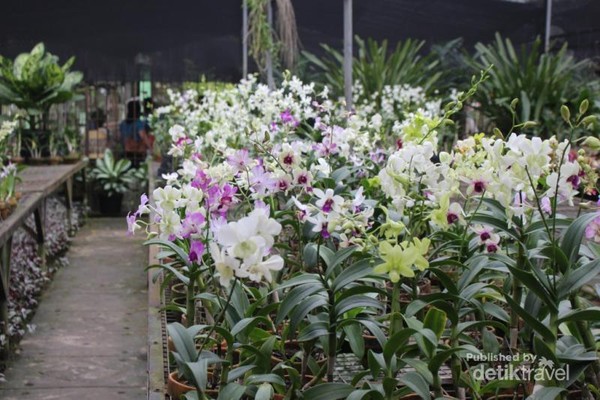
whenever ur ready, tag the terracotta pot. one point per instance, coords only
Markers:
(71, 158)
(36, 161)
(176, 388)
(54, 160)
(4, 210)
(179, 290)
(17, 160)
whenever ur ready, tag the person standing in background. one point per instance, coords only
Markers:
(134, 135)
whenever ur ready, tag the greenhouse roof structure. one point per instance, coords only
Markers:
(183, 38)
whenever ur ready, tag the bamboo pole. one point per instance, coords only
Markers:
(348, 53)
(245, 39)
(269, 59)
(548, 25)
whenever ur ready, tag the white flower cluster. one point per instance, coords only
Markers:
(510, 172)
(244, 248)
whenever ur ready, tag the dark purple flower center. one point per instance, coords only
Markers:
(451, 218)
(302, 179)
(327, 207)
(288, 159)
(574, 179)
(478, 186)
(484, 236)
(492, 248)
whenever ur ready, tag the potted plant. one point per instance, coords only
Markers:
(34, 82)
(71, 139)
(54, 158)
(35, 152)
(113, 178)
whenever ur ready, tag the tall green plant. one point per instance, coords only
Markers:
(35, 81)
(542, 82)
(376, 66)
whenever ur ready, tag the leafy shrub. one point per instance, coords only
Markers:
(377, 67)
(541, 81)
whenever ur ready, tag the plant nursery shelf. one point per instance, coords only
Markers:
(37, 183)
(47, 179)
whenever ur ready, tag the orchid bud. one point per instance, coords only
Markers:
(445, 157)
(583, 107)
(592, 142)
(589, 120)
(498, 133)
(513, 104)
(565, 113)
(529, 124)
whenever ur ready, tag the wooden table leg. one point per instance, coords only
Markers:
(5, 251)
(38, 216)
(69, 204)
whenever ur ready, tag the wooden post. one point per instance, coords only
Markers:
(348, 53)
(548, 25)
(245, 39)
(269, 56)
(5, 251)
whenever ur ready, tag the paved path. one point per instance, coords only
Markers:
(91, 324)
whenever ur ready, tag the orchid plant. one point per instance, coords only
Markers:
(329, 219)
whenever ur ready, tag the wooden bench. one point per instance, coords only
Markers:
(37, 183)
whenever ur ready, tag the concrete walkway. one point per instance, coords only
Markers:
(91, 324)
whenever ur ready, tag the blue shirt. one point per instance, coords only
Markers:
(131, 130)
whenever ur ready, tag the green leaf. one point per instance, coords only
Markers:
(416, 383)
(360, 394)
(355, 338)
(531, 320)
(340, 256)
(589, 314)
(310, 255)
(181, 255)
(435, 320)
(197, 372)
(572, 238)
(231, 391)
(313, 331)
(265, 378)
(354, 302)
(532, 283)
(264, 392)
(397, 342)
(245, 323)
(351, 274)
(575, 278)
(328, 391)
(299, 313)
(300, 280)
(183, 341)
(546, 393)
(239, 372)
(295, 296)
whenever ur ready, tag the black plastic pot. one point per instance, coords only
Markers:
(111, 205)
